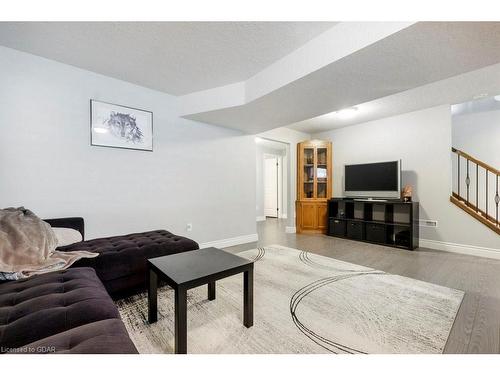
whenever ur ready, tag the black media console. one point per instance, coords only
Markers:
(390, 223)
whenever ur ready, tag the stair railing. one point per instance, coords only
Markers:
(473, 168)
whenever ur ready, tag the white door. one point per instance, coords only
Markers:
(271, 186)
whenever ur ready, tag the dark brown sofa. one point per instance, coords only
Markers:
(71, 311)
(64, 311)
(121, 264)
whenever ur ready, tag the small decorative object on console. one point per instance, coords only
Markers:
(407, 192)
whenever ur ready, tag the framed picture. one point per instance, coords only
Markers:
(113, 125)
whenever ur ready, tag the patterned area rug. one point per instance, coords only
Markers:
(303, 303)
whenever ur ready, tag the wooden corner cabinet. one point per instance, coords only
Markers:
(314, 185)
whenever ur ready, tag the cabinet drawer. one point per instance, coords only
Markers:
(337, 227)
(375, 232)
(355, 230)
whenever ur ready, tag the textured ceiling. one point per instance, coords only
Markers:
(173, 57)
(418, 55)
(422, 65)
(458, 89)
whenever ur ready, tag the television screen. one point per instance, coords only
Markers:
(372, 177)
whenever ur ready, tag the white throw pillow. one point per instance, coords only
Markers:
(67, 236)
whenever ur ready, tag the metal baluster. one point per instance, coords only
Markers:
(477, 191)
(467, 182)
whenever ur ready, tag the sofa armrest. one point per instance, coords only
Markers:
(68, 222)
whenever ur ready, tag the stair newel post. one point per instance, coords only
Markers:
(458, 158)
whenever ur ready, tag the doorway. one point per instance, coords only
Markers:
(272, 175)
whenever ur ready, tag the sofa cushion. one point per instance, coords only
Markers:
(104, 337)
(45, 305)
(123, 256)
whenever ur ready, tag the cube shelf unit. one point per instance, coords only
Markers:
(389, 223)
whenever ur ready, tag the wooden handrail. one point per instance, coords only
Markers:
(478, 162)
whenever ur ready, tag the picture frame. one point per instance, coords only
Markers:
(119, 126)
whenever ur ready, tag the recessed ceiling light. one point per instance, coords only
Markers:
(347, 113)
(101, 130)
(497, 98)
(258, 140)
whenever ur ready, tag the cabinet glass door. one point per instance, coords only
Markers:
(321, 172)
(308, 189)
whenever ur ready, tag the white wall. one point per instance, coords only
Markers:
(422, 140)
(197, 174)
(291, 137)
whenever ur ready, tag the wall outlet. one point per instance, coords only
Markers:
(428, 223)
(189, 227)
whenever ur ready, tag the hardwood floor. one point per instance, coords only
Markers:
(477, 326)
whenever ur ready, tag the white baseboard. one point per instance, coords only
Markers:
(231, 241)
(290, 229)
(479, 251)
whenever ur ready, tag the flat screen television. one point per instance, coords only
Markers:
(373, 180)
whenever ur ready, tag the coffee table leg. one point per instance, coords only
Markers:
(152, 296)
(248, 297)
(211, 291)
(180, 321)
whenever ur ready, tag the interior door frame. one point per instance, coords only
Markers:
(289, 182)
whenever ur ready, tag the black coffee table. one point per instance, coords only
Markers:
(191, 269)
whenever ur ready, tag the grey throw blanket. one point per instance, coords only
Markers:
(27, 246)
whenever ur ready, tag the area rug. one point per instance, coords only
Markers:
(303, 303)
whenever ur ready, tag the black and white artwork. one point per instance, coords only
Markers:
(119, 126)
